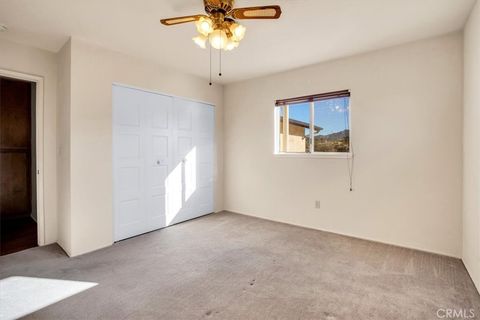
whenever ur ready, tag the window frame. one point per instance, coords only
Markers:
(312, 153)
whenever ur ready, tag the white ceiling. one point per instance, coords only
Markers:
(309, 31)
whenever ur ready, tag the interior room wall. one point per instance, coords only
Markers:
(63, 145)
(93, 71)
(24, 59)
(471, 147)
(406, 114)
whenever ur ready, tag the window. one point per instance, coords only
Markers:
(317, 124)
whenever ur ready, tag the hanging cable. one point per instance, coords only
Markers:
(351, 166)
(210, 64)
(220, 67)
(350, 161)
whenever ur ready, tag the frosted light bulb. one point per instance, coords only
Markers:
(204, 26)
(200, 41)
(218, 39)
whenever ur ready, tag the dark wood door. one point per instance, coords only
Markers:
(15, 148)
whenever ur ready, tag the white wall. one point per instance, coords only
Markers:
(407, 131)
(471, 147)
(63, 145)
(407, 134)
(20, 58)
(93, 70)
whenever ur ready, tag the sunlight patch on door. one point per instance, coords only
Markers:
(174, 193)
(180, 185)
(190, 173)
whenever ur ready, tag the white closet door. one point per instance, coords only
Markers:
(128, 163)
(193, 161)
(158, 157)
(163, 153)
(204, 128)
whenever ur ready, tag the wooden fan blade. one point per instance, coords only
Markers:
(263, 12)
(179, 20)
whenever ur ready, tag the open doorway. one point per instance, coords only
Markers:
(18, 194)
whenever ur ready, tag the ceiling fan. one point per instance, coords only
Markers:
(219, 27)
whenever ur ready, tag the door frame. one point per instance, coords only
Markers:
(39, 104)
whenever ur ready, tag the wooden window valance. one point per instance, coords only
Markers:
(314, 97)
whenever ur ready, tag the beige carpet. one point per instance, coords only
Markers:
(229, 266)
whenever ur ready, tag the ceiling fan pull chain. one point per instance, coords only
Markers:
(220, 73)
(210, 65)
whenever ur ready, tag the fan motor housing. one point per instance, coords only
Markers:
(224, 6)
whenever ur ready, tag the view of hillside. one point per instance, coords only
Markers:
(334, 142)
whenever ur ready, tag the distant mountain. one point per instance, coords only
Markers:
(336, 136)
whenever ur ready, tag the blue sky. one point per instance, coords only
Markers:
(329, 114)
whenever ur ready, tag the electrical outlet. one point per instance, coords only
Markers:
(317, 204)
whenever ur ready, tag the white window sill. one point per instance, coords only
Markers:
(319, 155)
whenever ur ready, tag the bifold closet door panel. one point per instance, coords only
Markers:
(204, 128)
(158, 127)
(183, 141)
(194, 139)
(128, 163)
(142, 160)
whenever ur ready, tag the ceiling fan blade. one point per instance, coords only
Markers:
(263, 12)
(179, 20)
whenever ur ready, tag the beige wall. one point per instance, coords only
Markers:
(471, 164)
(23, 59)
(63, 146)
(406, 132)
(93, 70)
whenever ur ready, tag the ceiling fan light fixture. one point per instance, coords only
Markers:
(219, 25)
(238, 31)
(231, 44)
(200, 41)
(218, 39)
(204, 25)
